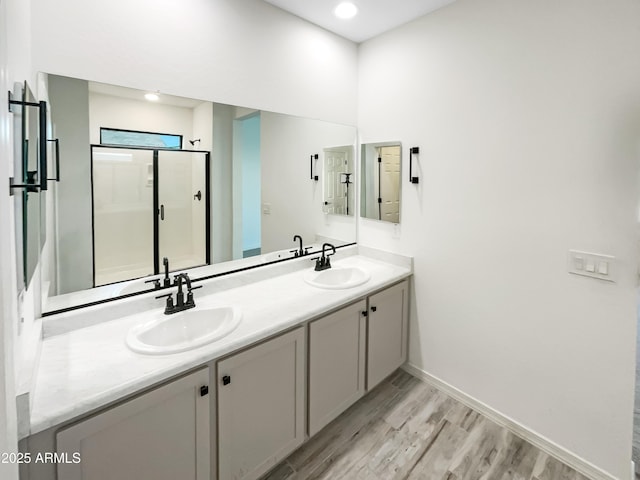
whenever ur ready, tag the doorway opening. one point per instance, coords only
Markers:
(247, 186)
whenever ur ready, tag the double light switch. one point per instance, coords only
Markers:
(592, 265)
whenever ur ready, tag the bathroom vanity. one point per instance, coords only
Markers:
(231, 409)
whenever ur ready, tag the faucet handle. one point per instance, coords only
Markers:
(190, 302)
(169, 307)
(155, 281)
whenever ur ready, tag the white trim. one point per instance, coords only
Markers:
(565, 456)
(633, 470)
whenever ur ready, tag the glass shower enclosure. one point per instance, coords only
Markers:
(148, 203)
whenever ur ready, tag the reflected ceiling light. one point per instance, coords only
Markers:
(152, 97)
(345, 10)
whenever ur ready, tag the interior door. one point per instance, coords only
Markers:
(389, 183)
(122, 220)
(336, 164)
(182, 208)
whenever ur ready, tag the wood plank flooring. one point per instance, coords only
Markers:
(406, 429)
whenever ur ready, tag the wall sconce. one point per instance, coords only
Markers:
(413, 151)
(313, 157)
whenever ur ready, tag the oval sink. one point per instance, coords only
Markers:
(337, 277)
(183, 331)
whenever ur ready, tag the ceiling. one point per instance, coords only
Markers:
(134, 94)
(374, 16)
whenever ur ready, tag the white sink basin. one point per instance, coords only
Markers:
(182, 331)
(337, 277)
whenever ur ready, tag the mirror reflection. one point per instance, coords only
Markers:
(339, 191)
(129, 185)
(30, 206)
(380, 185)
(207, 186)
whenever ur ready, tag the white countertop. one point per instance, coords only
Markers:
(88, 368)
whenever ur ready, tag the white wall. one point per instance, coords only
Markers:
(69, 105)
(239, 52)
(49, 251)
(527, 115)
(12, 67)
(222, 225)
(296, 201)
(125, 113)
(202, 129)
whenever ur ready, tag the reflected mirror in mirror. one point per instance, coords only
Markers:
(338, 178)
(29, 203)
(19, 125)
(380, 185)
(233, 196)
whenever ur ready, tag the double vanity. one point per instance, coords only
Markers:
(227, 389)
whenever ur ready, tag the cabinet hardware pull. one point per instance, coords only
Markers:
(373, 309)
(364, 313)
(204, 390)
(226, 380)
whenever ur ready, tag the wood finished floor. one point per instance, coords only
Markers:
(406, 429)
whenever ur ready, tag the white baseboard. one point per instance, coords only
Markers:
(565, 456)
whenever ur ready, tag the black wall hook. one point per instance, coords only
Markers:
(413, 151)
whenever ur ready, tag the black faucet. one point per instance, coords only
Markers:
(324, 262)
(180, 304)
(300, 252)
(167, 280)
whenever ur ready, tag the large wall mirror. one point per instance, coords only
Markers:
(210, 187)
(380, 185)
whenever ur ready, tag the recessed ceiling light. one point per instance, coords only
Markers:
(345, 10)
(152, 97)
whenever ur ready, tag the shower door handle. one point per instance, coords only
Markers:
(161, 212)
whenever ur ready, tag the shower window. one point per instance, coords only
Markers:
(134, 138)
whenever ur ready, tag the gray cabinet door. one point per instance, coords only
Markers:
(261, 398)
(336, 364)
(387, 332)
(160, 435)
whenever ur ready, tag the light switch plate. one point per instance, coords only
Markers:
(594, 265)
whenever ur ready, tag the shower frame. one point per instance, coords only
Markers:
(156, 205)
